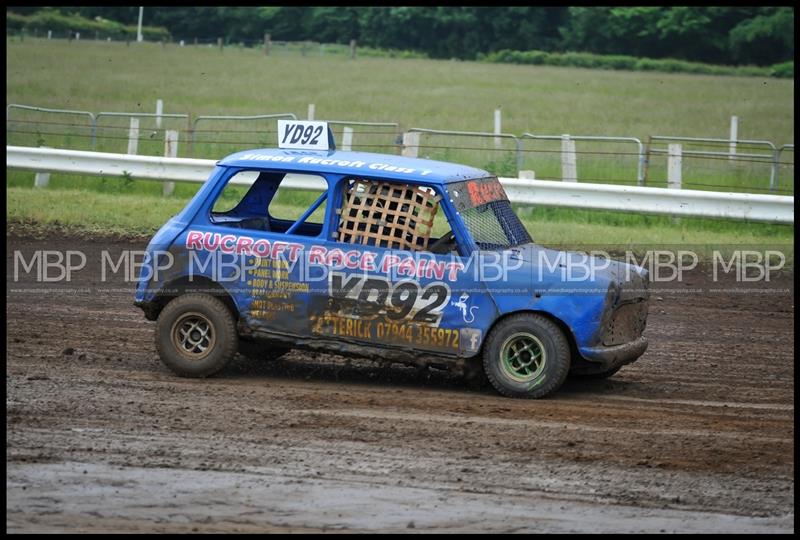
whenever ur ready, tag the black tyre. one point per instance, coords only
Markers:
(196, 335)
(256, 350)
(526, 356)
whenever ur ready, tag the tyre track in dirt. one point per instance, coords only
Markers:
(703, 423)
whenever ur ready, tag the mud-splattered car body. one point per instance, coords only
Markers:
(301, 286)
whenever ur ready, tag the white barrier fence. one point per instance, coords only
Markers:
(744, 206)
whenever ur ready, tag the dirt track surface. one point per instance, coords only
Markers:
(698, 435)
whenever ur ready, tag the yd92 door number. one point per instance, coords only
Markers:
(366, 296)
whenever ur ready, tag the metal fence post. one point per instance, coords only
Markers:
(776, 164)
(42, 179)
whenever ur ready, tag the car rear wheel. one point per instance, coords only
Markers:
(526, 356)
(196, 335)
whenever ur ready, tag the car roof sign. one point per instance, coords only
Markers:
(305, 135)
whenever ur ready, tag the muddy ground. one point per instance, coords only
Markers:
(698, 435)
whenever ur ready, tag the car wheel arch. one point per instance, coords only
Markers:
(565, 329)
(182, 285)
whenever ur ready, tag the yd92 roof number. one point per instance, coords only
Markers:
(300, 134)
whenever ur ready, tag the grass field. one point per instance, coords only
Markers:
(448, 95)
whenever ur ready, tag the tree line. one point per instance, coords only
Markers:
(713, 34)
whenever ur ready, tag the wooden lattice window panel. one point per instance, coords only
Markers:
(387, 214)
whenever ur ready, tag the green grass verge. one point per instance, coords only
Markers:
(136, 215)
(438, 94)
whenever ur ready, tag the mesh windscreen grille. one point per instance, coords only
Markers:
(494, 225)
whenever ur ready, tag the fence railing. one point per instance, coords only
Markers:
(412, 143)
(193, 130)
(708, 163)
(768, 208)
(566, 137)
(731, 156)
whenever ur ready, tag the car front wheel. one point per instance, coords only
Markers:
(526, 356)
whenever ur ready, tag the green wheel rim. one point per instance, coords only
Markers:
(523, 357)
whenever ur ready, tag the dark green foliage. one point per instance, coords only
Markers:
(61, 24)
(711, 34)
(632, 63)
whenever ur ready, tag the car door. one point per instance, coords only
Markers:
(252, 242)
(385, 286)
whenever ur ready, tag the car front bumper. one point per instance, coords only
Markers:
(615, 355)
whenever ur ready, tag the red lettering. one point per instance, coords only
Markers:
(435, 269)
(293, 249)
(277, 248)
(367, 261)
(406, 267)
(453, 268)
(316, 255)
(261, 247)
(243, 244)
(351, 259)
(194, 240)
(388, 262)
(207, 244)
(486, 192)
(227, 243)
(335, 257)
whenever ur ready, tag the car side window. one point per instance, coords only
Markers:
(269, 204)
(393, 215)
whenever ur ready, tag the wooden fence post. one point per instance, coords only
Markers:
(352, 49)
(170, 150)
(411, 144)
(569, 167)
(133, 136)
(497, 126)
(159, 112)
(219, 43)
(267, 44)
(527, 210)
(674, 163)
(41, 179)
(347, 138)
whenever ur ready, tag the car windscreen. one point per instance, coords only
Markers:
(487, 213)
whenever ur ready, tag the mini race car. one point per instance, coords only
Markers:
(399, 259)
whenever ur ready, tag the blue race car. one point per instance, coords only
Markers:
(398, 259)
